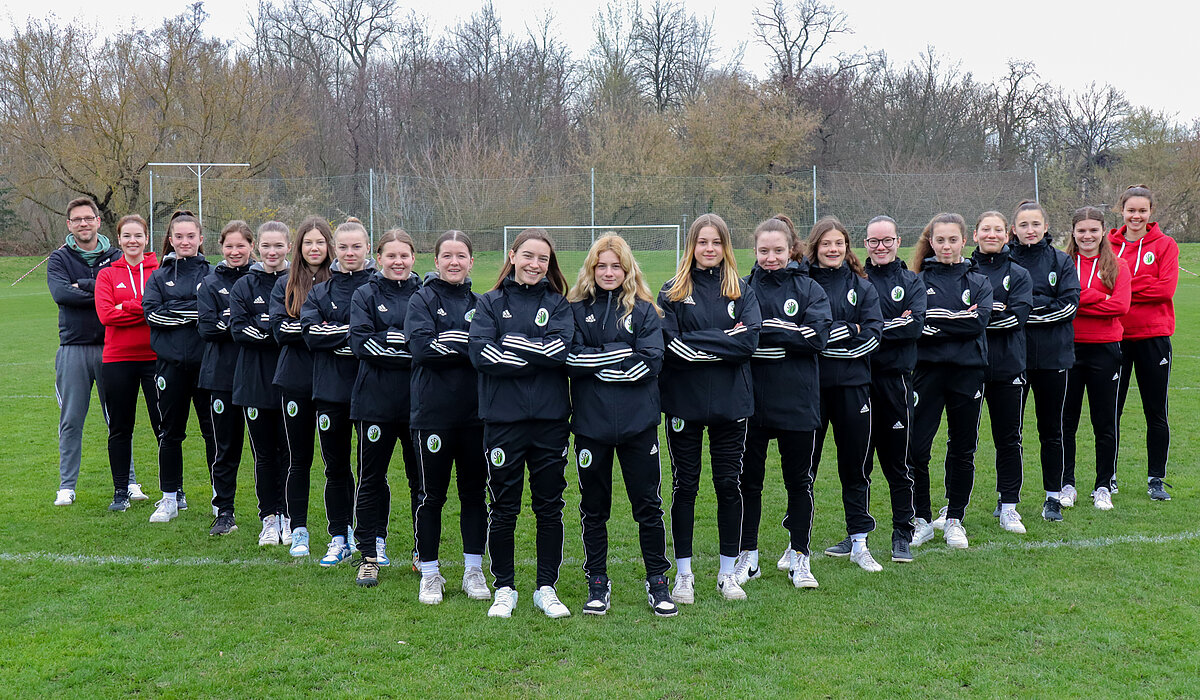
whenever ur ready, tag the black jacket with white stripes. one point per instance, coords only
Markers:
(1050, 331)
(212, 305)
(857, 326)
(325, 321)
(378, 338)
(795, 329)
(958, 304)
(1012, 300)
(902, 303)
(172, 309)
(445, 385)
(614, 362)
(294, 370)
(519, 341)
(250, 323)
(709, 341)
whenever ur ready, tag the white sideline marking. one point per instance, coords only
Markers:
(26, 396)
(92, 559)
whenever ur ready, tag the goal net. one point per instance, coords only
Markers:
(647, 238)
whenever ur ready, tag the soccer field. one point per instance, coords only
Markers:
(100, 604)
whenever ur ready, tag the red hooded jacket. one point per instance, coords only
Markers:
(126, 335)
(1098, 319)
(1154, 261)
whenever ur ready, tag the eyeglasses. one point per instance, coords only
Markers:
(83, 220)
(877, 242)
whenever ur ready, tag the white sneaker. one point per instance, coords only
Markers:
(728, 585)
(474, 584)
(1102, 499)
(432, 587)
(165, 511)
(939, 523)
(1068, 496)
(285, 530)
(270, 531)
(66, 497)
(955, 534)
(865, 561)
(505, 601)
(922, 532)
(742, 570)
(799, 573)
(136, 493)
(685, 589)
(1010, 520)
(785, 562)
(546, 600)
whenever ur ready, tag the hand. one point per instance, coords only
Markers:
(906, 314)
(118, 306)
(972, 307)
(75, 285)
(739, 324)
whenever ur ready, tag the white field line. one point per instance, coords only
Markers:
(923, 551)
(25, 396)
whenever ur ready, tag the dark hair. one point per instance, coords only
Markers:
(924, 248)
(237, 226)
(397, 235)
(824, 226)
(1129, 193)
(302, 276)
(553, 273)
(1109, 268)
(84, 202)
(182, 216)
(1030, 205)
(453, 235)
(884, 217)
(273, 227)
(781, 223)
(127, 219)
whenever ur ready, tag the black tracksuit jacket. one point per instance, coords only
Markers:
(250, 324)
(899, 290)
(172, 309)
(380, 342)
(1012, 287)
(445, 385)
(1049, 333)
(212, 301)
(325, 320)
(954, 333)
(846, 361)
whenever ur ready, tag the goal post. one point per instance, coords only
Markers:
(647, 237)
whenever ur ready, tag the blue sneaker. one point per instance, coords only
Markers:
(299, 543)
(337, 552)
(381, 556)
(350, 539)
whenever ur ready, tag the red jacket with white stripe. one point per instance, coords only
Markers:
(119, 291)
(1153, 260)
(1101, 307)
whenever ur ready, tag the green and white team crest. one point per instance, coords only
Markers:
(897, 293)
(292, 409)
(161, 383)
(470, 315)
(585, 459)
(542, 317)
(677, 424)
(434, 443)
(732, 309)
(323, 421)
(628, 323)
(1007, 279)
(966, 297)
(497, 457)
(852, 296)
(373, 433)
(916, 398)
(1053, 278)
(791, 307)
(252, 413)
(218, 404)
(1148, 258)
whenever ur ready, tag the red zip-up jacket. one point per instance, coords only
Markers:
(1101, 308)
(126, 335)
(1154, 261)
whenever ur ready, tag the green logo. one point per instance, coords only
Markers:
(434, 443)
(252, 413)
(585, 459)
(218, 406)
(161, 383)
(677, 424)
(292, 409)
(1148, 258)
(966, 297)
(542, 317)
(323, 422)
(497, 457)
(897, 293)
(470, 315)
(852, 297)
(1053, 277)
(628, 322)
(1007, 279)
(373, 433)
(732, 310)
(791, 307)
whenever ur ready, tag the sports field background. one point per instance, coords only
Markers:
(104, 604)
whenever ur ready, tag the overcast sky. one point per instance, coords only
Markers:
(1149, 51)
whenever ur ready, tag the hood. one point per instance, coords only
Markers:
(102, 245)
(981, 257)
(1153, 232)
(258, 267)
(792, 269)
(368, 266)
(149, 262)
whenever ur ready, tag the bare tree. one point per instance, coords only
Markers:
(612, 82)
(1016, 106)
(672, 51)
(1088, 127)
(797, 34)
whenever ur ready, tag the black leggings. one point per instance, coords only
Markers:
(268, 442)
(299, 425)
(178, 386)
(796, 451)
(1150, 359)
(438, 451)
(121, 382)
(1098, 370)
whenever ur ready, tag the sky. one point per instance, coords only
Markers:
(1148, 52)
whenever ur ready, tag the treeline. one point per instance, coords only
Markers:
(330, 87)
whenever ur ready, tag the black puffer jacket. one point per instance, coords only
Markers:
(857, 326)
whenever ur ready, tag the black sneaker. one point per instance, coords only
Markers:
(599, 594)
(120, 501)
(841, 549)
(1112, 486)
(368, 572)
(660, 597)
(996, 513)
(901, 551)
(181, 500)
(1052, 509)
(1156, 490)
(223, 524)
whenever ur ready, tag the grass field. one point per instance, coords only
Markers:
(104, 604)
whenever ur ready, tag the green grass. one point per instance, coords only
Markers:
(1110, 612)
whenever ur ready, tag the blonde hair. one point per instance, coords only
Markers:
(680, 286)
(633, 288)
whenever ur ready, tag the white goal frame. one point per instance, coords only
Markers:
(603, 229)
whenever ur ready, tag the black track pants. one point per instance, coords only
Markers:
(726, 446)
(438, 452)
(178, 392)
(1049, 388)
(891, 428)
(1150, 360)
(1098, 370)
(848, 408)
(299, 425)
(333, 430)
(796, 451)
(268, 442)
(229, 427)
(121, 382)
(541, 447)
(641, 471)
(373, 501)
(959, 392)
(1006, 409)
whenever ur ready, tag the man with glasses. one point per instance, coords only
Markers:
(902, 301)
(71, 273)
